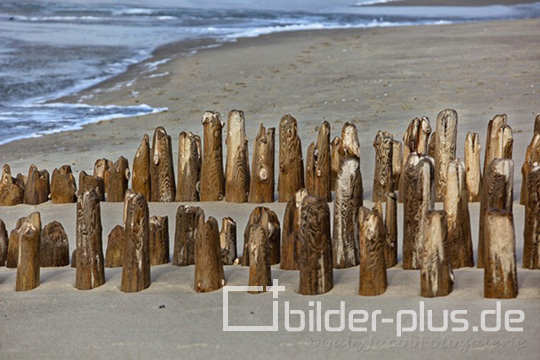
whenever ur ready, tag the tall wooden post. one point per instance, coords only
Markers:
(54, 246)
(262, 180)
(424, 130)
(322, 164)
(410, 145)
(291, 234)
(13, 245)
(159, 240)
(335, 161)
(115, 247)
(162, 184)
(390, 222)
(493, 129)
(212, 177)
(531, 156)
(37, 187)
(310, 168)
(28, 257)
(237, 175)
(350, 146)
(91, 183)
(11, 189)
(189, 167)
(140, 181)
(382, 179)
(445, 148)
(63, 187)
(270, 222)
(118, 180)
(227, 241)
(291, 164)
(185, 235)
(260, 272)
(472, 166)
(4, 243)
(209, 274)
(397, 161)
(373, 279)
(531, 234)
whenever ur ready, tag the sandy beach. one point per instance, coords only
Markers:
(376, 78)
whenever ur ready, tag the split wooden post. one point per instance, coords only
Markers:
(185, 235)
(159, 240)
(90, 266)
(424, 130)
(136, 256)
(531, 156)
(322, 170)
(260, 272)
(436, 276)
(209, 274)
(310, 168)
(348, 201)
(390, 222)
(118, 180)
(63, 187)
(531, 233)
(472, 166)
(140, 181)
(335, 161)
(497, 194)
(350, 146)
(291, 164)
(445, 148)
(28, 267)
(189, 167)
(456, 205)
(382, 179)
(114, 257)
(262, 181)
(373, 279)
(500, 273)
(492, 144)
(162, 184)
(270, 222)
(432, 145)
(315, 255)
(227, 240)
(54, 246)
(4, 243)
(237, 175)
(91, 183)
(13, 245)
(37, 187)
(291, 235)
(410, 145)
(397, 161)
(11, 189)
(212, 177)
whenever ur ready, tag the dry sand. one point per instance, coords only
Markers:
(378, 79)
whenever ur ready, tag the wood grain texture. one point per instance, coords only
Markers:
(493, 128)
(91, 183)
(118, 180)
(63, 187)
(291, 234)
(28, 264)
(212, 176)
(270, 222)
(445, 149)
(37, 189)
(54, 245)
(397, 162)
(335, 161)
(189, 167)
(310, 168)
(472, 166)
(531, 233)
(382, 178)
(322, 169)
(291, 163)
(537, 124)
(140, 181)
(237, 176)
(390, 224)
(4, 243)
(185, 235)
(532, 156)
(163, 188)
(431, 146)
(410, 145)
(260, 272)
(13, 245)
(262, 182)
(350, 146)
(114, 257)
(227, 241)
(159, 240)
(11, 189)
(209, 274)
(101, 170)
(424, 130)
(373, 280)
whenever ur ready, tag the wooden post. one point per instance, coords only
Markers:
(419, 198)
(504, 142)
(63, 187)
(531, 234)
(497, 194)
(348, 201)
(472, 166)
(37, 187)
(397, 162)
(11, 189)
(531, 156)
(262, 182)
(13, 245)
(4, 243)
(189, 167)
(494, 126)
(382, 179)
(260, 272)
(310, 168)
(424, 130)
(118, 180)
(315, 255)
(212, 178)
(335, 161)
(227, 241)
(90, 267)
(445, 148)
(28, 259)
(373, 279)
(91, 183)
(136, 256)
(209, 274)
(410, 145)
(436, 276)
(54, 246)
(237, 175)
(458, 225)
(114, 257)
(537, 124)
(431, 147)
(350, 146)
(185, 235)
(291, 232)
(322, 164)
(500, 273)
(162, 184)
(74, 258)
(140, 181)
(101, 171)
(270, 222)
(159, 240)
(291, 164)
(390, 251)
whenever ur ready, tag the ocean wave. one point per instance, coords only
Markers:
(375, 2)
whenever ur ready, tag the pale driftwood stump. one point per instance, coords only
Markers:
(29, 257)
(37, 187)
(140, 181)
(531, 234)
(397, 161)
(504, 141)
(91, 183)
(291, 164)
(237, 175)
(185, 235)
(472, 166)
(500, 273)
(382, 179)
(260, 272)
(162, 184)
(136, 257)
(270, 222)
(262, 180)
(373, 279)
(390, 224)
(531, 156)
(189, 167)
(322, 169)
(310, 168)
(350, 146)
(445, 149)
(424, 130)
(456, 205)
(159, 240)
(63, 187)
(315, 255)
(54, 246)
(11, 189)
(493, 128)
(4, 243)
(209, 274)
(291, 235)
(101, 171)
(114, 257)
(212, 177)
(13, 245)
(436, 276)
(335, 161)
(90, 265)
(348, 201)
(118, 180)
(419, 198)
(497, 194)
(227, 241)
(410, 145)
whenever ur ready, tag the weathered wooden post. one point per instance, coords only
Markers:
(424, 130)
(212, 177)
(115, 247)
(262, 180)
(472, 166)
(185, 235)
(13, 245)
(537, 124)
(531, 156)
(390, 223)
(260, 272)
(91, 183)
(373, 279)
(531, 233)
(63, 187)
(159, 240)
(445, 148)
(492, 144)
(382, 179)
(101, 169)
(291, 164)
(28, 259)
(436, 276)
(431, 147)
(350, 146)
(237, 175)
(118, 180)
(270, 222)
(189, 167)
(37, 187)
(410, 145)
(11, 189)
(310, 168)
(90, 266)
(397, 161)
(315, 255)
(162, 184)
(140, 181)
(227, 240)
(4, 243)
(322, 164)
(335, 161)
(209, 274)
(54, 246)
(292, 232)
